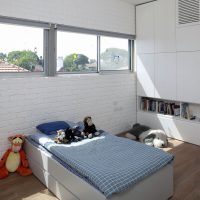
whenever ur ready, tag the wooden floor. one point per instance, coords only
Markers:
(186, 178)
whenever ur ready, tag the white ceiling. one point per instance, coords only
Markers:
(135, 2)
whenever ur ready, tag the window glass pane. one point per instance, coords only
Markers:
(76, 52)
(21, 49)
(114, 54)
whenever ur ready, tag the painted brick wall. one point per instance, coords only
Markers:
(112, 15)
(26, 102)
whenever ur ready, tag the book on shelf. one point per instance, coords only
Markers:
(158, 106)
(148, 105)
(185, 112)
(176, 110)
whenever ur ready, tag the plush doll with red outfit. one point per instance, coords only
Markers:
(14, 159)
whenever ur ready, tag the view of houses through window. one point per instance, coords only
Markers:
(21, 49)
(76, 52)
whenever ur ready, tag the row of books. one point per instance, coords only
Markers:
(158, 106)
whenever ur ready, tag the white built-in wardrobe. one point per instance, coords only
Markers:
(168, 65)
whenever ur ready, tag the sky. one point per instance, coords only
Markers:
(14, 38)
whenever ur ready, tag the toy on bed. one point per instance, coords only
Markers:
(14, 159)
(61, 137)
(89, 130)
(68, 135)
(144, 134)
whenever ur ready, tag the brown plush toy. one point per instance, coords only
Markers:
(14, 159)
(89, 130)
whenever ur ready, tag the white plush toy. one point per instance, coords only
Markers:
(156, 138)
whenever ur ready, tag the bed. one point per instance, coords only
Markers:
(68, 182)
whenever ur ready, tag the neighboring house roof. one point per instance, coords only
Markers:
(7, 67)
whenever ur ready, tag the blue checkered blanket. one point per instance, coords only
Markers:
(111, 163)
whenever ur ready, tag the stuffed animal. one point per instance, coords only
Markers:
(77, 133)
(73, 134)
(89, 130)
(144, 134)
(14, 159)
(68, 135)
(60, 138)
(156, 138)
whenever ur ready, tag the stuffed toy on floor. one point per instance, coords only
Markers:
(14, 159)
(156, 138)
(144, 134)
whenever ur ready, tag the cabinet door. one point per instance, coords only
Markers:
(188, 76)
(145, 25)
(145, 75)
(175, 128)
(188, 38)
(165, 26)
(165, 76)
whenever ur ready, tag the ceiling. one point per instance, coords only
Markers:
(135, 2)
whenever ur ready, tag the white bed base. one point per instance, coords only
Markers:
(67, 186)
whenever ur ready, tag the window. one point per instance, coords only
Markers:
(76, 52)
(114, 54)
(21, 49)
(29, 46)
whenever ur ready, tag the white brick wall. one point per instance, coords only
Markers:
(112, 15)
(26, 102)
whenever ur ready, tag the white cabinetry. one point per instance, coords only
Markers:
(165, 76)
(188, 38)
(188, 25)
(188, 76)
(145, 74)
(174, 127)
(165, 26)
(168, 63)
(145, 28)
(155, 41)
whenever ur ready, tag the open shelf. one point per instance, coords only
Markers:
(169, 108)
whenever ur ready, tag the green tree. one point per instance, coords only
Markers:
(75, 62)
(26, 59)
(2, 56)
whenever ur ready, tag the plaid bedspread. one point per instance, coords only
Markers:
(111, 163)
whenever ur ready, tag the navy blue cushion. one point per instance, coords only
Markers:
(51, 127)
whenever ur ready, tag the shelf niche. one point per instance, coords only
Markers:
(180, 110)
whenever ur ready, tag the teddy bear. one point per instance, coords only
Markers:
(89, 130)
(14, 159)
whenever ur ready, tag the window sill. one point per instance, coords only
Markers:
(4, 75)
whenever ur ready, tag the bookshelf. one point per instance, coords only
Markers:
(179, 110)
(180, 120)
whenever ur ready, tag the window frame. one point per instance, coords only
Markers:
(50, 47)
(99, 34)
(79, 72)
(31, 24)
(130, 58)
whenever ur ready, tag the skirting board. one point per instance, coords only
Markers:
(67, 186)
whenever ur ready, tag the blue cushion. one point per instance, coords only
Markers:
(79, 125)
(51, 127)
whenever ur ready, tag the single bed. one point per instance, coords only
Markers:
(67, 184)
